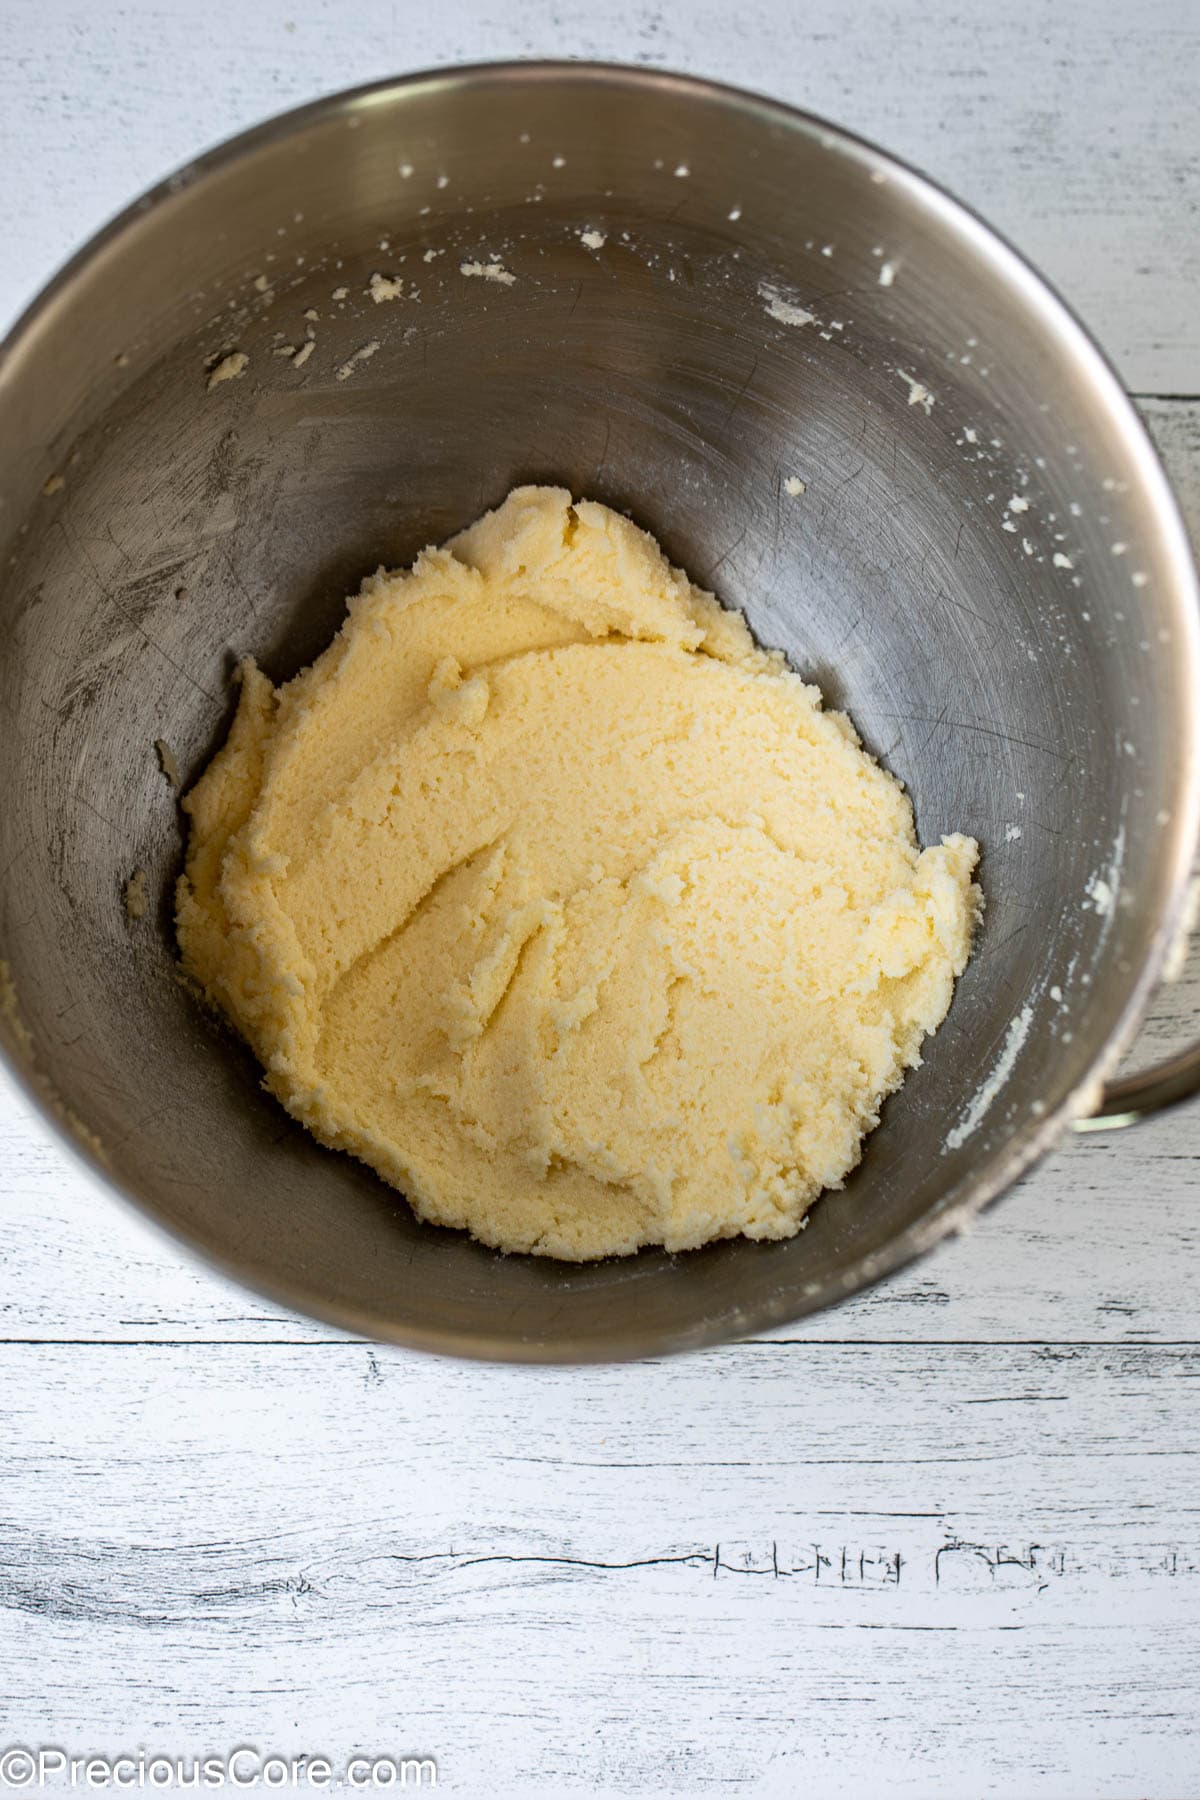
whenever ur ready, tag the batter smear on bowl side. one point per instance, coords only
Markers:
(564, 906)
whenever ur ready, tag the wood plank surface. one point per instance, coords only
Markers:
(774, 1570)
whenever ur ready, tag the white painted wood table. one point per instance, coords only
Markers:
(943, 1542)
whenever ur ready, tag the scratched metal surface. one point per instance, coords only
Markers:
(863, 1554)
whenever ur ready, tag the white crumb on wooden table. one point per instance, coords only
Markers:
(943, 1542)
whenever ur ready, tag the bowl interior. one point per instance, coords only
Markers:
(713, 301)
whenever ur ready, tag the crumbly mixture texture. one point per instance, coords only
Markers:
(554, 899)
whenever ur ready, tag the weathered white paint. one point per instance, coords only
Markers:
(828, 1570)
(957, 1521)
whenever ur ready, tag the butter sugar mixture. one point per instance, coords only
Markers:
(562, 905)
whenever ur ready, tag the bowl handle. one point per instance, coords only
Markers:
(1135, 1097)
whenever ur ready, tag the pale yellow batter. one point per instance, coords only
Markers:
(563, 906)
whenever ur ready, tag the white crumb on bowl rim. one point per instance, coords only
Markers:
(228, 369)
(779, 306)
(363, 354)
(494, 270)
(385, 287)
(918, 393)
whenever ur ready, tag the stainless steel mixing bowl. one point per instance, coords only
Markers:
(984, 566)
